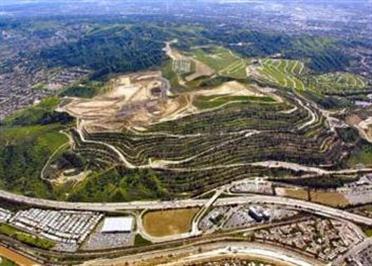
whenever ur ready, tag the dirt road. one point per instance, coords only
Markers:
(16, 257)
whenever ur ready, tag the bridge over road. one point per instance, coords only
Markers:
(300, 205)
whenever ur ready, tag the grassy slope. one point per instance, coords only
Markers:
(361, 156)
(116, 185)
(338, 82)
(6, 262)
(25, 237)
(27, 140)
(86, 89)
(223, 61)
(23, 153)
(283, 72)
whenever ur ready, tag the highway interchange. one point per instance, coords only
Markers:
(156, 205)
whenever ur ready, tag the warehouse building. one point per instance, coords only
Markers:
(117, 224)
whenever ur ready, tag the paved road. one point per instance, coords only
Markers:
(187, 252)
(195, 223)
(353, 251)
(153, 205)
(298, 205)
(133, 205)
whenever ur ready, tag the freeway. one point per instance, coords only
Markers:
(133, 205)
(154, 205)
(300, 205)
(189, 254)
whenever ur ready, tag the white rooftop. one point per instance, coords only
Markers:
(117, 224)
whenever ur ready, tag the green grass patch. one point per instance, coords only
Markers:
(139, 241)
(88, 90)
(367, 230)
(39, 114)
(23, 153)
(26, 237)
(46, 136)
(168, 73)
(361, 156)
(282, 72)
(322, 182)
(337, 83)
(6, 262)
(223, 61)
(119, 185)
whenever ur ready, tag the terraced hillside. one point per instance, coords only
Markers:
(208, 116)
(279, 72)
(234, 118)
(219, 138)
(223, 61)
(338, 83)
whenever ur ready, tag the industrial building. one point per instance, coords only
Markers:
(117, 224)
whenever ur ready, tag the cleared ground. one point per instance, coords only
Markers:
(199, 68)
(297, 193)
(142, 99)
(169, 222)
(131, 100)
(16, 257)
(330, 198)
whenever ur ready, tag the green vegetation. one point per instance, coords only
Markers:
(326, 181)
(23, 153)
(64, 160)
(119, 48)
(367, 230)
(215, 81)
(321, 54)
(140, 241)
(40, 114)
(183, 66)
(362, 155)
(337, 83)
(85, 90)
(6, 262)
(326, 102)
(168, 73)
(119, 184)
(45, 136)
(27, 139)
(283, 73)
(223, 61)
(348, 134)
(217, 137)
(25, 237)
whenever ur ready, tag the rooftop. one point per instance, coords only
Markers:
(117, 224)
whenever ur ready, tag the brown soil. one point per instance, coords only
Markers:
(297, 193)
(169, 222)
(330, 198)
(16, 257)
(201, 70)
